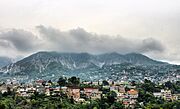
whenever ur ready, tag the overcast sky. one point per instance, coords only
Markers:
(150, 27)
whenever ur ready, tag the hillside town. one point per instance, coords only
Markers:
(127, 94)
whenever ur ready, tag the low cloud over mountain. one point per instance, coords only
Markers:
(15, 42)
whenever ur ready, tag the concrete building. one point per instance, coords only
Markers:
(92, 93)
(73, 92)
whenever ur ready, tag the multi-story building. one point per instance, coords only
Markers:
(92, 93)
(166, 94)
(73, 92)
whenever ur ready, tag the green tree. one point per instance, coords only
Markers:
(117, 105)
(73, 81)
(105, 83)
(111, 96)
(61, 81)
(2, 106)
(148, 86)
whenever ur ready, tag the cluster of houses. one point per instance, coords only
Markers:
(26, 90)
(167, 95)
(127, 96)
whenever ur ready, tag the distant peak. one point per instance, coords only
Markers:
(112, 53)
(134, 53)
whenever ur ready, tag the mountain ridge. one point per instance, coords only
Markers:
(45, 64)
(55, 54)
(73, 60)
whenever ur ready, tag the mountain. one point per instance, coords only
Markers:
(141, 59)
(5, 61)
(48, 65)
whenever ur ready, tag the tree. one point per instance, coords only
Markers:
(2, 106)
(103, 103)
(50, 82)
(105, 83)
(133, 83)
(44, 83)
(147, 81)
(127, 88)
(8, 90)
(111, 97)
(61, 81)
(118, 105)
(73, 81)
(169, 85)
(148, 86)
